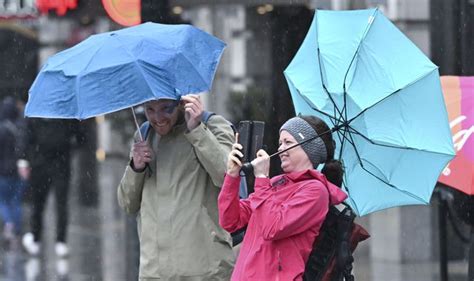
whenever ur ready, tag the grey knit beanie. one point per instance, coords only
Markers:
(301, 131)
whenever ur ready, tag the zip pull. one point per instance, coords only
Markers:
(279, 262)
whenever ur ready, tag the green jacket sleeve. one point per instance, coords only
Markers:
(129, 191)
(212, 144)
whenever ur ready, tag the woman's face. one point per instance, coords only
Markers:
(295, 159)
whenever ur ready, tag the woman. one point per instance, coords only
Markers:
(284, 214)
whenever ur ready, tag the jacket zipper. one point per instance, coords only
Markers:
(279, 266)
(279, 262)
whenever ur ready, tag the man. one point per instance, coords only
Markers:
(49, 152)
(171, 184)
(11, 184)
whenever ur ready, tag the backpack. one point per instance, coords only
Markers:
(331, 258)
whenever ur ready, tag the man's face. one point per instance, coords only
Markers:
(162, 115)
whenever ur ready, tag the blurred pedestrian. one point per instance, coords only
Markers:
(13, 172)
(49, 152)
(285, 213)
(171, 184)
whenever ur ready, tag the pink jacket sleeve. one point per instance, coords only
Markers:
(306, 208)
(234, 214)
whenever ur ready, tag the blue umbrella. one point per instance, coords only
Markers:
(382, 96)
(111, 71)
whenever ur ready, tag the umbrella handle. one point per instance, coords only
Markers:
(147, 166)
(136, 123)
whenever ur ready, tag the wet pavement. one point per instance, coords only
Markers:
(101, 241)
(88, 261)
(98, 240)
(85, 261)
(369, 270)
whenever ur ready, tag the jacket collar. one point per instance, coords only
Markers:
(336, 195)
(304, 175)
(295, 177)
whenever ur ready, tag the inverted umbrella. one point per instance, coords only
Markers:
(382, 96)
(111, 71)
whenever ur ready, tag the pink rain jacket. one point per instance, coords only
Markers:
(283, 217)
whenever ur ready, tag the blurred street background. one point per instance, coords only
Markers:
(414, 243)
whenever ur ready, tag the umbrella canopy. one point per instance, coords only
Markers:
(459, 96)
(382, 95)
(119, 69)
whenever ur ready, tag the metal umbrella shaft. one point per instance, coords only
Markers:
(247, 168)
(136, 124)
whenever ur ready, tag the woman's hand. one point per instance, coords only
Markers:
(261, 164)
(233, 161)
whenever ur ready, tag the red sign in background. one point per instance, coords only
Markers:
(60, 6)
(124, 12)
(459, 97)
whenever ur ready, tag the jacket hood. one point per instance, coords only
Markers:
(336, 195)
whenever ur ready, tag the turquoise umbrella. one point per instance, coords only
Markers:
(383, 98)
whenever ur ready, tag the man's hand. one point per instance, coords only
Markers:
(141, 155)
(193, 110)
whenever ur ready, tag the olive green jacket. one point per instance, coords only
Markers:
(176, 204)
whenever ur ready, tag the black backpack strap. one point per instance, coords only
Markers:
(333, 243)
(324, 248)
(344, 257)
(206, 115)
